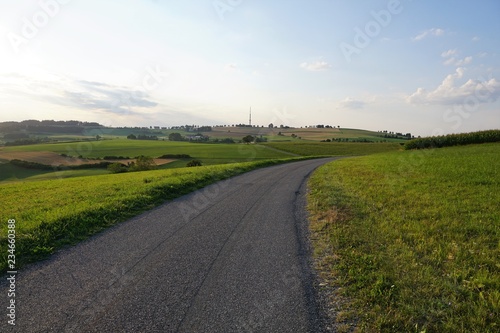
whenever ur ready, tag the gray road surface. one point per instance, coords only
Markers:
(232, 257)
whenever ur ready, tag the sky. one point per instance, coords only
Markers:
(419, 66)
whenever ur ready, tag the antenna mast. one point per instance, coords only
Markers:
(250, 119)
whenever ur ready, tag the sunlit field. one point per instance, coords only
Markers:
(412, 239)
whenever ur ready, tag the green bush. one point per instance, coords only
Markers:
(117, 168)
(194, 163)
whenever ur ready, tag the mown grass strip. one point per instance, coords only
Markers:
(54, 213)
(411, 240)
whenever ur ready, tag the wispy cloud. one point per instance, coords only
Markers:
(232, 67)
(437, 32)
(316, 66)
(107, 98)
(449, 53)
(449, 93)
(80, 94)
(458, 62)
(451, 58)
(351, 103)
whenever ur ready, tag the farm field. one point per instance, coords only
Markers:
(409, 241)
(50, 154)
(85, 152)
(206, 152)
(333, 148)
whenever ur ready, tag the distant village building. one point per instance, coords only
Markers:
(197, 137)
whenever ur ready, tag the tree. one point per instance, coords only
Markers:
(248, 139)
(271, 125)
(143, 163)
(131, 137)
(175, 137)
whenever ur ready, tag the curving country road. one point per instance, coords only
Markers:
(232, 257)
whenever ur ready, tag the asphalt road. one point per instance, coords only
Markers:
(232, 257)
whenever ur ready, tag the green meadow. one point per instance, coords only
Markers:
(410, 241)
(210, 153)
(207, 153)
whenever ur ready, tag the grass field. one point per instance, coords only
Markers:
(208, 153)
(53, 213)
(410, 241)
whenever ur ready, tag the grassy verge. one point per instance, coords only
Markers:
(410, 240)
(53, 213)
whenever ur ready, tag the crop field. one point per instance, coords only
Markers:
(411, 239)
(206, 152)
(53, 213)
(333, 148)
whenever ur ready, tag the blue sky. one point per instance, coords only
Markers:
(425, 67)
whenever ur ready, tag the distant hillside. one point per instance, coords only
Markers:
(308, 134)
(35, 131)
(26, 127)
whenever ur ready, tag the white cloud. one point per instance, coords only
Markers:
(316, 66)
(448, 93)
(430, 32)
(449, 53)
(457, 62)
(231, 67)
(464, 61)
(475, 39)
(452, 60)
(351, 103)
